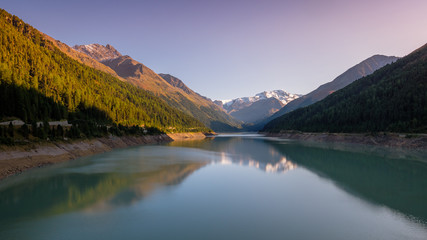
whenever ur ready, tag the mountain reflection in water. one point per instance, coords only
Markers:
(244, 151)
(227, 187)
(95, 183)
(398, 180)
(393, 178)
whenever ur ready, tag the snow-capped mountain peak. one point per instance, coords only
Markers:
(258, 107)
(281, 95)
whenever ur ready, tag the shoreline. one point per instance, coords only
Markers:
(17, 159)
(390, 140)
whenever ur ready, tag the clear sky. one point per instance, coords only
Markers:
(228, 49)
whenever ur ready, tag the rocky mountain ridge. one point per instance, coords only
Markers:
(391, 99)
(175, 82)
(364, 68)
(170, 89)
(237, 103)
(256, 108)
(98, 51)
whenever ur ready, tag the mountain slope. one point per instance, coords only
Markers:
(39, 82)
(171, 89)
(80, 57)
(358, 71)
(257, 108)
(99, 52)
(175, 82)
(391, 99)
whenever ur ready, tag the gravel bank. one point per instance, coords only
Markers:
(407, 141)
(16, 159)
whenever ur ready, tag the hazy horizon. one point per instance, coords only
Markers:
(230, 49)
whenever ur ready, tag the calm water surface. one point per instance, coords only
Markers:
(228, 187)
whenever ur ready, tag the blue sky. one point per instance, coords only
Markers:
(229, 49)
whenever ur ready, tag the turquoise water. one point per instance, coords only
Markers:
(228, 187)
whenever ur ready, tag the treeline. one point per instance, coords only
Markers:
(392, 99)
(10, 134)
(39, 82)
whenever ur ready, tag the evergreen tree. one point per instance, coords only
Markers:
(52, 134)
(40, 82)
(25, 131)
(46, 128)
(392, 99)
(10, 130)
(34, 128)
(60, 131)
(41, 133)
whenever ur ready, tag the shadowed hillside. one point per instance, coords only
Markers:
(31, 62)
(171, 89)
(358, 71)
(391, 99)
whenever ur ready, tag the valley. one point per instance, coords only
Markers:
(213, 120)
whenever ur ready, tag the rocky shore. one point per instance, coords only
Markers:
(16, 159)
(393, 140)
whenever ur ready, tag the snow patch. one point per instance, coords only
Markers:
(280, 95)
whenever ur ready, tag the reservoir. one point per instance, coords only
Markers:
(224, 187)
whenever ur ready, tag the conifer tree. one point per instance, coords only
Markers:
(25, 131)
(10, 130)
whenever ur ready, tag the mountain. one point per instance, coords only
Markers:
(169, 88)
(366, 67)
(256, 108)
(393, 99)
(80, 57)
(175, 82)
(99, 52)
(39, 81)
